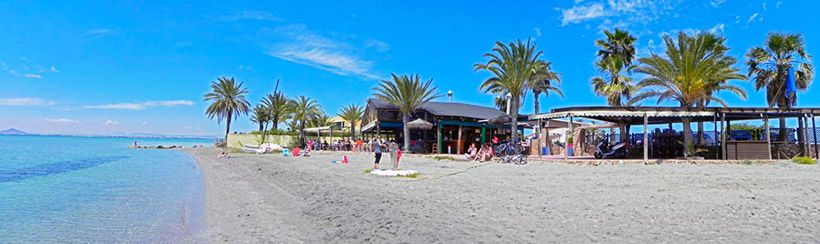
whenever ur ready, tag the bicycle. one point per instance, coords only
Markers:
(510, 152)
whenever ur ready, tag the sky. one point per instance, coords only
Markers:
(104, 67)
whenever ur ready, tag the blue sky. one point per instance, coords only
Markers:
(107, 67)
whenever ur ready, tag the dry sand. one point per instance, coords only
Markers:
(268, 198)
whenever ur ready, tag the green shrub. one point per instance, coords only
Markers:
(413, 175)
(367, 171)
(803, 160)
(440, 158)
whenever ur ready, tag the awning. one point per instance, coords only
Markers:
(369, 126)
(317, 129)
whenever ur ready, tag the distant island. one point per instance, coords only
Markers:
(13, 131)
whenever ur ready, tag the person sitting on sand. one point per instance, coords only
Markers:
(223, 155)
(472, 152)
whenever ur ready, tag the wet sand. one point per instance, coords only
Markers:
(269, 198)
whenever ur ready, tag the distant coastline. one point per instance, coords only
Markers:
(138, 136)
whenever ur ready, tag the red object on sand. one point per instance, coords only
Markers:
(398, 157)
(295, 151)
(344, 160)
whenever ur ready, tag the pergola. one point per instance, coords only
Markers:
(665, 115)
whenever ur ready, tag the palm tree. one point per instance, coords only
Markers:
(542, 82)
(513, 67)
(352, 114)
(260, 117)
(694, 69)
(278, 108)
(407, 93)
(769, 64)
(304, 110)
(616, 54)
(227, 101)
(321, 120)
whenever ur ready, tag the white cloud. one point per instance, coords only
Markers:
(305, 47)
(62, 121)
(537, 31)
(97, 32)
(717, 3)
(25, 101)
(579, 14)
(253, 15)
(376, 44)
(33, 76)
(717, 29)
(111, 122)
(53, 69)
(752, 18)
(764, 7)
(244, 68)
(619, 13)
(140, 106)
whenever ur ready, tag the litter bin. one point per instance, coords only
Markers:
(544, 151)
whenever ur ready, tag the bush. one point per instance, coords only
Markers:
(367, 171)
(803, 160)
(440, 158)
(413, 175)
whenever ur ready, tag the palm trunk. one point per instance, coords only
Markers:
(302, 133)
(624, 133)
(261, 128)
(275, 125)
(536, 102)
(514, 114)
(687, 137)
(405, 118)
(783, 129)
(353, 130)
(228, 126)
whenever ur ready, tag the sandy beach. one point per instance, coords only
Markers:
(268, 198)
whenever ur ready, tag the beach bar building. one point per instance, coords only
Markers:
(726, 144)
(437, 127)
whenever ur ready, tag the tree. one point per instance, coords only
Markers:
(407, 93)
(694, 69)
(352, 113)
(769, 65)
(543, 82)
(304, 110)
(616, 55)
(227, 101)
(321, 120)
(279, 108)
(513, 67)
(260, 116)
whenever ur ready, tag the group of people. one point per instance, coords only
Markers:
(340, 145)
(485, 153)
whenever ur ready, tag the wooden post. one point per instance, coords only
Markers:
(439, 140)
(645, 137)
(814, 132)
(723, 136)
(715, 129)
(568, 136)
(768, 136)
(459, 143)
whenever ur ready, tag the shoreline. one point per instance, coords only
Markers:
(269, 198)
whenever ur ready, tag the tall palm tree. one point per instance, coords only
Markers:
(616, 55)
(260, 117)
(321, 120)
(694, 69)
(408, 93)
(513, 66)
(544, 81)
(279, 108)
(227, 101)
(769, 65)
(352, 114)
(304, 110)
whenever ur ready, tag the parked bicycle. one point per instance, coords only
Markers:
(510, 152)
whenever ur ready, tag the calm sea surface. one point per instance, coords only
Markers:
(89, 189)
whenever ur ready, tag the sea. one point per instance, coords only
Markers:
(59, 189)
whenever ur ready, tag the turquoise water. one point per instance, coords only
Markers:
(86, 189)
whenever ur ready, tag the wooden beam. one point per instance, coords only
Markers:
(768, 136)
(645, 137)
(723, 136)
(459, 142)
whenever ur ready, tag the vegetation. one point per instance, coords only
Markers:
(407, 93)
(693, 69)
(544, 81)
(412, 176)
(615, 60)
(804, 160)
(442, 158)
(769, 65)
(321, 120)
(367, 171)
(352, 114)
(227, 101)
(278, 107)
(304, 110)
(513, 67)
(260, 116)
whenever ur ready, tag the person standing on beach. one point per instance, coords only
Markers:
(377, 151)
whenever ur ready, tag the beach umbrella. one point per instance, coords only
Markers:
(500, 120)
(419, 124)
